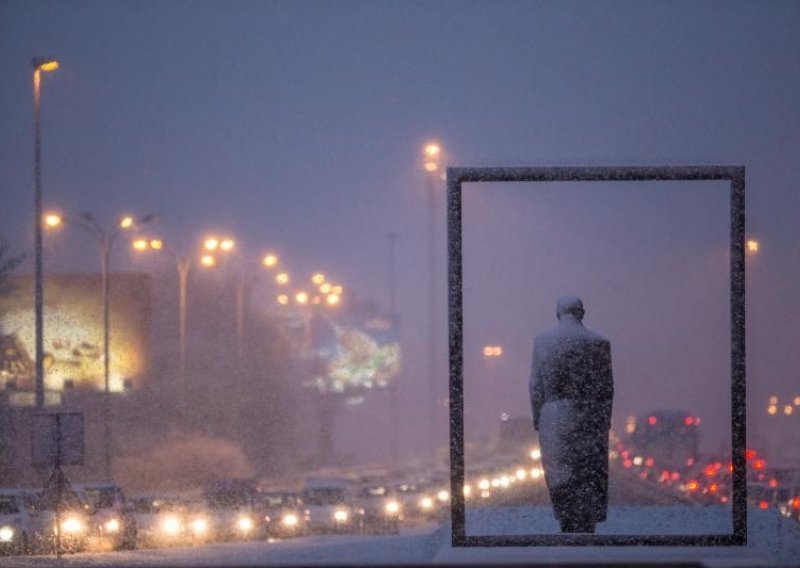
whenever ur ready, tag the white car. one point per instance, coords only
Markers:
(16, 525)
(329, 506)
(112, 523)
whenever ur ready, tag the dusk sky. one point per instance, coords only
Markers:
(298, 127)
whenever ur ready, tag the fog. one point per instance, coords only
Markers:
(298, 129)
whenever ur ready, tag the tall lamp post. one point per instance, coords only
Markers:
(432, 156)
(40, 65)
(105, 241)
(183, 265)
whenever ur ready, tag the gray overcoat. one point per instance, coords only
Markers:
(572, 391)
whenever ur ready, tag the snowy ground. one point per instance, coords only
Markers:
(773, 542)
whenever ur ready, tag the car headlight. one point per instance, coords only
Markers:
(6, 534)
(111, 526)
(199, 526)
(290, 520)
(392, 507)
(171, 525)
(340, 516)
(245, 524)
(71, 525)
(426, 503)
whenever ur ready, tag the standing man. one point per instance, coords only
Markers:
(572, 390)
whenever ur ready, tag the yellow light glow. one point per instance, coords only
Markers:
(318, 278)
(332, 299)
(325, 288)
(270, 260)
(772, 409)
(156, 244)
(301, 298)
(467, 490)
(788, 409)
(752, 245)
(53, 220)
(392, 507)
(227, 244)
(245, 524)
(48, 66)
(432, 150)
(140, 245)
(797, 401)
(443, 495)
(211, 243)
(208, 260)
(338, 290)
(290, 520)
(340, 516)
(283, 299)
(199, 526)
(282, 278)
(426, 503)
(521, 474)
(126, 222)
(484, 484)
(498, 351)
(71, 525)
(487, 351)
(431, 166)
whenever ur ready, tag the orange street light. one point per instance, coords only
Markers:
(140, 245)
(211, 243)
(325, 288)
(752, 246)
(318, 278)
(126, 222)
(156, 244)
(301, 297)
(333, 299)
(227, 245)
(270, 260)
(283, 299)
(208, 260)
(282, 278)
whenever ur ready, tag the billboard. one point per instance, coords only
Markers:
(73, 334)
(353, 352)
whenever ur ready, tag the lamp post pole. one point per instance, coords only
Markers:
(39, 65)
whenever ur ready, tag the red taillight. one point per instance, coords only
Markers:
(652, 420)
(649, 462)
(710, 470)
(749, 454)
(690, 462)
(763, 505)
(675, 476)
(688, 420)
(627, 463)
(796, 503)
(759, 464)
(773, 482)
(692, 486)
(713, 488)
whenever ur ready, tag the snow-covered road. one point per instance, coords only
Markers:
(772, 541)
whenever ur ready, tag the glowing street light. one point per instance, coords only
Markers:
(318, 278)
(431, 153)
(492, 351)
(282, 278)
(126, 222)
(325, 288)
(301, 297)
(211, 244)
(269, 260)
(53, 220)
(333, 299)
(283, 299)
(226, 245)
(208, 260)
(752, 246)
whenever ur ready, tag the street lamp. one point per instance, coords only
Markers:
(182, 264)
(105, 239)
(40, 65)
(432, 156)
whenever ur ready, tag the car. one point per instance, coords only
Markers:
(161, 521)
(379, 510)
(59, 519)
(16, 524)
(232, 509)
(284, 514)
(329, 505)
(111, 521)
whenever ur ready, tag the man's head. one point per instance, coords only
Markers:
(571, 305)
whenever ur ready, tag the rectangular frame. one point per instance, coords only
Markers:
(456, 176)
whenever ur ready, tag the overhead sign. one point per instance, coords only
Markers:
(58, 439)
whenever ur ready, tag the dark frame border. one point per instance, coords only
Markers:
(456, 176)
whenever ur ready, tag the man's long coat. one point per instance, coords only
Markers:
(572, 391)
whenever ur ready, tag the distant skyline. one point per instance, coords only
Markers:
(298, 127)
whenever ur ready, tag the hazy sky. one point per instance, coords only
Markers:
(298, 126)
